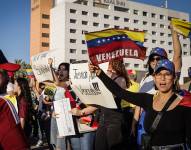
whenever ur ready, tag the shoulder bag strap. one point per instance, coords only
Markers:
(160, 114)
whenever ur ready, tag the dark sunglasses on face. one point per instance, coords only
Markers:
(155, 58)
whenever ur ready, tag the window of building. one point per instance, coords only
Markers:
(106, 16)
(145, 31)
(154, 33)
(145, 22)
(95, 24)
(161, 34)
(185, 45)
(145, 66)
(169, 43)
(135, 12)
(72, 20)
(83, 42)
(127, 65)
(116, 8)
(154, 41)
(145, 40)
(72, 60)
(126, 28)
(84, 31)
(162, 26)
(170, 51)
(95, 15)
(185, 53)
(153, 24)
(73, 11)
(106, 25)
(45, 25)
(162, 17)
(162, 42)
(84, 13)
(84, 22)
(169, 35)
(72, 30)
(73, 51)
(45, 35)
(126, 19)
(136, 21)
(116, 27)
(153, 15)
(169, 18)
(136, 65)
(45, 16)
(72, 40)
(44, 44)
(84, 51)
(145, 13)
(116, 18)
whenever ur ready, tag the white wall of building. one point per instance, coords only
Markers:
(70, 20)
(186, 63)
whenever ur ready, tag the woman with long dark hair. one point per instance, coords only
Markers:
(109, 134)
(172, 129)
(24, 102)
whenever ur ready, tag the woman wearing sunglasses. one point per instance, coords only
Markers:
(174, 128)
(147, 83)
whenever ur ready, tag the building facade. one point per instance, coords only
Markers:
(71, 19)
(61, 24)
(40, 26)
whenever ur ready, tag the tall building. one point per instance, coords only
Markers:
(71, 19)
(40, 26)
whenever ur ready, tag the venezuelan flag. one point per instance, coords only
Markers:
(182, 27)
(29, 73)
(110, 44)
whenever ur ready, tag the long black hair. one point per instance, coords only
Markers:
(25, 89)
(119, 67)
(4, 82)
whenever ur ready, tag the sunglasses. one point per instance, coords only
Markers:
(155, 58)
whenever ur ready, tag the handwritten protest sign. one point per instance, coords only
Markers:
(89, 88)
(41, 68)
(64, 121)
(40, 65)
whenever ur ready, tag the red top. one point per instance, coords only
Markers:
(22, 107)
(11, 134)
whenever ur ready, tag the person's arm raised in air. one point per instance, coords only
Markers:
(177, 57)
(55, 77)
(140, 99)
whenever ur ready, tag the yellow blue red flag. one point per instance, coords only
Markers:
(110, 44)
(182, 27)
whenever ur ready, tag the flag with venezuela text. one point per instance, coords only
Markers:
(111, 44)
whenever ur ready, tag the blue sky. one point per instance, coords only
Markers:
(15, 25)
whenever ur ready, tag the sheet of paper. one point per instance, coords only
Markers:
(64, 121)
(89, 88)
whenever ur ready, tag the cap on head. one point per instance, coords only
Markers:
(5, 65)
(165, 64)
(159, 52)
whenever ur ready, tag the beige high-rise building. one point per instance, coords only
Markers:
(40, 26)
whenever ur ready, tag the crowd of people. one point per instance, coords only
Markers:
(152, 115)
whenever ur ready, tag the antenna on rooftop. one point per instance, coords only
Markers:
(165, 4)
